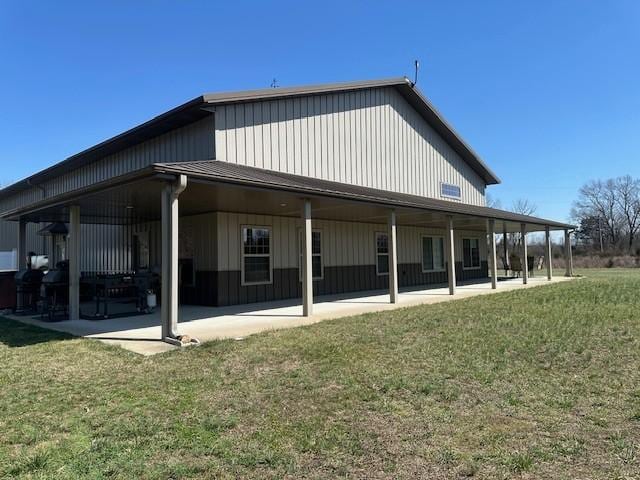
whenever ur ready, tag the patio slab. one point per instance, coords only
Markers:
(141, 334)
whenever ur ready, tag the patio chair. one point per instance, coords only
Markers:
(516, 265)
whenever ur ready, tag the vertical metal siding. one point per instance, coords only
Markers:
(371, 138)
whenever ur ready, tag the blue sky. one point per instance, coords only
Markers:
(547, 92)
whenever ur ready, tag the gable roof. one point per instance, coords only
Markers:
(411, 94)
(197, 109)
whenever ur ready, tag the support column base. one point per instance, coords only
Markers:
(181, 341)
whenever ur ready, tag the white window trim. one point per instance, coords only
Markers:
(450, 196)
(479, 257)
(444, 259)
(321, 254)
(243, 255)
(375, 248)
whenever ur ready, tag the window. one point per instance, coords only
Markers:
(471, 252)
(256, 255)
(382, 253)
(450, 190)
(432, 254)
(316, 254)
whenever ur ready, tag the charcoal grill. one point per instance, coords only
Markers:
(55, 292)
(28, 282)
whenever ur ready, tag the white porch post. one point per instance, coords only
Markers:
(169, 285)
(547, 252)
(525, 263)
(393, 258)
(451, 257)
(568, 254)
(74, 262)
(307, 264)
(493, 258)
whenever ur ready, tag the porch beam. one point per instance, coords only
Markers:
(451, 256)
(525, 263)
(74, 262)
(547, 252)
(568, 254)
(393, 258)
(493, 257)
(307, 257)
(169, 280)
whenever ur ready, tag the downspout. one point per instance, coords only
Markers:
(178, 188)
(181, 184)
(173, 337)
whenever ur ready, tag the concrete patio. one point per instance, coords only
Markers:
(141, 334)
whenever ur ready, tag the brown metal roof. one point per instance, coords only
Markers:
(196, 109)
(219, 171)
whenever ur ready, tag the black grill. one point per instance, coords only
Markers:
(55, 292)
(28, 284)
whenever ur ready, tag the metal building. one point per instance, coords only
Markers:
(272, 194)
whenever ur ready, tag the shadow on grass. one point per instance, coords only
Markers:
(17, 334)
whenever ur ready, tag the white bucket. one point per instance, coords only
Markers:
(151, 300)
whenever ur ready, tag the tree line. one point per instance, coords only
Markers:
(608, 214)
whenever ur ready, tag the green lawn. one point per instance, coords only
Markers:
(538, 383)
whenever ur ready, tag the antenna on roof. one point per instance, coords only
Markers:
(274, 83)
(415, 76)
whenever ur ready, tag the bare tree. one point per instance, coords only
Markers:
(600, 199)
(493, 202)
(524, 207)
(628, 202)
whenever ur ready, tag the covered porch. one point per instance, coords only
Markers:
(168, 194)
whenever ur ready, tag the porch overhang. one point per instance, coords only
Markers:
(244, 189)
(220, 172)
